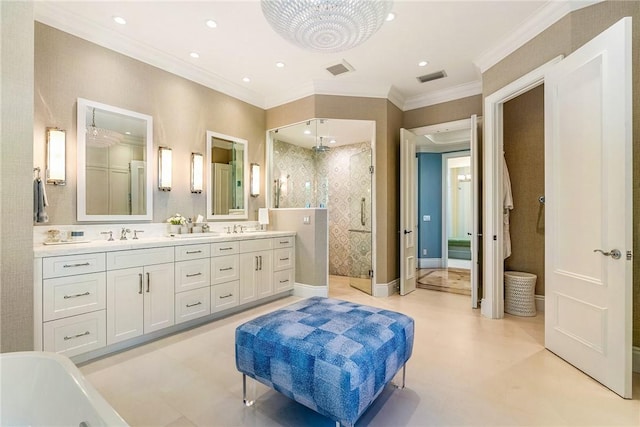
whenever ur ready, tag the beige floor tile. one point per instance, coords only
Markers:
(465, 371)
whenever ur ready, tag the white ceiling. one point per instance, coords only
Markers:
(452, 35)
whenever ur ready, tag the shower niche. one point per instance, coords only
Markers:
(327, 163)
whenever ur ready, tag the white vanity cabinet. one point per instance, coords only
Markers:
(88, 304)
(73, 303)
(140, 292)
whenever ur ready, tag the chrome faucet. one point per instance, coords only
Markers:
(110, 233)
(123, 233)
(135, 234)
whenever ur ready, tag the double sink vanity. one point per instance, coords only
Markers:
(98, 297)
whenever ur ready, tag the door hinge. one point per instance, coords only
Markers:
(629, 255)
(371, 170)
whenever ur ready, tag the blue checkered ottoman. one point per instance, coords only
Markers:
(332, 356)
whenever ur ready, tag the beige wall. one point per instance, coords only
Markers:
(67, 67)
(523, 134)
(564, 37)
(16, 152)
(458, 109)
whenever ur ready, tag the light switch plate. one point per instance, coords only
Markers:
(426, 218)
(306, 220)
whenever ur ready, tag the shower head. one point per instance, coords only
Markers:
(321, 148)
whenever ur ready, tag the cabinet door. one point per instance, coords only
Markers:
(265, 274)
(249, 264)
(159, 296)
(124, 304)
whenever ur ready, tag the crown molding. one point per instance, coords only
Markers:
(395, 97)
(546, 16)
(438, 97)
(65, 20)
(293, 94)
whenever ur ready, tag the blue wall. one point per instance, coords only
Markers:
(430, 203)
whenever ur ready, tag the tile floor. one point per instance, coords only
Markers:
(454, 280)
(465, 371)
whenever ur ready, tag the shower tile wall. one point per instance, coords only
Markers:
(327, 175)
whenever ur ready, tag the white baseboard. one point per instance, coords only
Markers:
(307, 291)
(386, 289)
(459, 263)
(636, 359)
(429, 262)
(539, 302)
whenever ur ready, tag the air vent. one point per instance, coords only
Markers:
(340, 68)
(433, 76)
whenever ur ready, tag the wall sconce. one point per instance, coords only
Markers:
(164, 168)
(56, 156)
(255, 180)
(197, 175)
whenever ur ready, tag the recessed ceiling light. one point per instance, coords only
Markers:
(194, 55)
(246, 79)
(127, 133)
(211, 23)
(307, 132)
(390, 17)
(423, 63)
(333, 141)
(119, 20)
(280, 64)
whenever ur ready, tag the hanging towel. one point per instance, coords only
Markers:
(39, 202)
(507, 204)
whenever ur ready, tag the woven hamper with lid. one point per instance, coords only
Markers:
(519, 293)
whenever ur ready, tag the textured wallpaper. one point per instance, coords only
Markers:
(340, 181)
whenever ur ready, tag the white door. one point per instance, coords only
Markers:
(408, 211)
(588, 208)
(159, 294)
(475, 214)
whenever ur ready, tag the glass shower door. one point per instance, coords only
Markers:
(360, 236)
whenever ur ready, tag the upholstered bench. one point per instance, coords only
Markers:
(332, 356)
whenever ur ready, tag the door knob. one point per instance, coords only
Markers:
(408, 231)
(614, 253)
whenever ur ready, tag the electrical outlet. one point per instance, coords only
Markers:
(424, 252)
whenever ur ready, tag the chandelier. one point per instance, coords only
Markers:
(99, 137)
(326, 25)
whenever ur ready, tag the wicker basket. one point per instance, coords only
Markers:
(519, 293)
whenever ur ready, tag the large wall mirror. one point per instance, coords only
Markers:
(228, 172)
(115, 149)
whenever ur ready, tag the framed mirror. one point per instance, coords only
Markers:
(115, 148)
(228, 172)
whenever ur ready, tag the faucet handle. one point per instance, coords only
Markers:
(135, 235)
(110, 233)
(123, 233)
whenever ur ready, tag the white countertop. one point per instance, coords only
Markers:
(41, 250)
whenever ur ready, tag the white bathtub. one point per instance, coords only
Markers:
(46, 389)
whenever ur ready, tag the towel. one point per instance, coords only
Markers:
(39, 202)
(507, 204)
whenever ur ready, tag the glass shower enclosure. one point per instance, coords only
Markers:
(360, 235)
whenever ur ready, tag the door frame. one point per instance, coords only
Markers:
(492, 305)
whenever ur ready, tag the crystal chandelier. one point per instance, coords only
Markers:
(326, 25)
(99, 137)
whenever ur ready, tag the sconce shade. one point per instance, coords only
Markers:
(56, 156)
(255, 180)
(197, 172)
(164, 168)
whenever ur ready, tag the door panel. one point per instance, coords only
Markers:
(588, 207)
(475, 208)
(408, 212)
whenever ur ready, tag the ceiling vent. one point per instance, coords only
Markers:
(340, 68)
(433, 76)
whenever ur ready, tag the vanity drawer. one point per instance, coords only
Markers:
(139, 257)
(224, 296)
(77, 334)
(192, 304)
(283, 259)
(225, 268)
(224, 248)
(283, 281)
(283, 242)
(187, 252)
(72, 295)
(192, 274)
(69, 265)
(255, 245)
